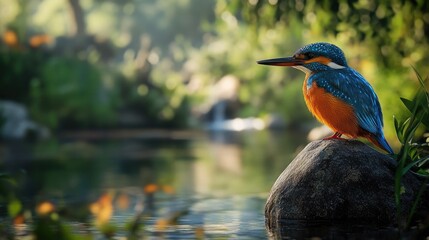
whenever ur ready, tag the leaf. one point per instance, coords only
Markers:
(410, 155)
(401, 126)
(424, 115)
(412, 129)
(413, 153)
(423, 161)
(422, 98)
(414, 163)
(408, 167)
(7, 178)
(421, 81)
(422, 173)
(419, 106)
(14, 207)
(398, 130)
(408, 104)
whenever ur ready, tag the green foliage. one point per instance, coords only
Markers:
(234, 48)
(134, 227)
(159, 104)
(368, 33)
(57, 90)
(293, 103)
(413, 156)
(14, 207)
(108, 230)
(50, 227)
(19, 69)
(246, 31)
(161, 68)
(394, 31)
(71, 91)
(133, 71)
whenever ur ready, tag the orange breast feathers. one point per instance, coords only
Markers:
(331, 111)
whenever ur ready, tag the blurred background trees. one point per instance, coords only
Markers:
(93, 63)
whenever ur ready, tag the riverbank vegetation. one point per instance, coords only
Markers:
(93, 64)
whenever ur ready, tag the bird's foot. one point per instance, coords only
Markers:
(336, 135)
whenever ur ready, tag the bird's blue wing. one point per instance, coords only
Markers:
(351, 87)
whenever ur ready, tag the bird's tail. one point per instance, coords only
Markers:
(380, 142)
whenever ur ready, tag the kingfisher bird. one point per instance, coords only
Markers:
(336, 94)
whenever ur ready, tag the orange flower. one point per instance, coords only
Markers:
(105, 200)
(168, 189)
(102, 208)
(151, 188)
(38, 40)
(10, 38)
(19, 219)
(94, 208)
(45, 208)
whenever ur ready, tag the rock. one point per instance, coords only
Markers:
(338, 179)
(15, 123)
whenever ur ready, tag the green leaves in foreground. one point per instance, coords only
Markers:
(412, 155)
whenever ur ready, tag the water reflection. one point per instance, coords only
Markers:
(208, 183)
(322, 229)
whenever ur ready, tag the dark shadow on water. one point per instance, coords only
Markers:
(319, 229)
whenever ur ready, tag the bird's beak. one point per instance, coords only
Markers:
(287, 61)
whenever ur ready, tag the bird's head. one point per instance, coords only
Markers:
(314, 57)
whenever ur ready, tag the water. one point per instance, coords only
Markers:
(185, 184)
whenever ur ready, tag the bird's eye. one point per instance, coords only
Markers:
(301, 56)
(310, 55)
